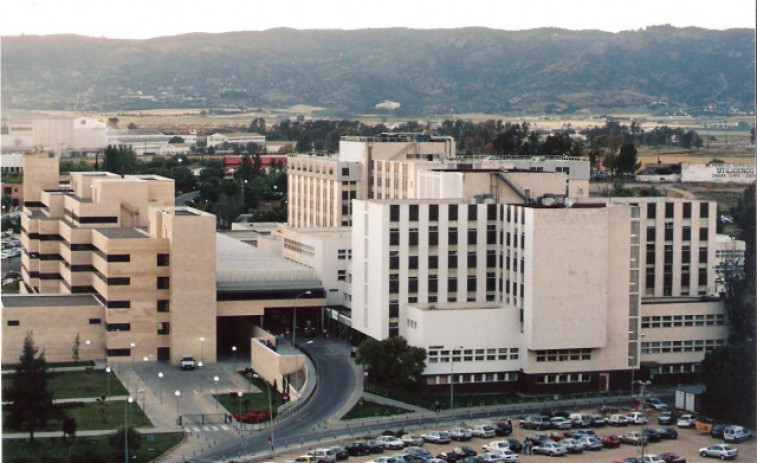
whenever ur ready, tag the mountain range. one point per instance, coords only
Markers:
(386, 71)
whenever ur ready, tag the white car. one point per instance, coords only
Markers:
(412, 439)
(685, 421)
(652, 459)
(591, 443)
(736, 434)
(572, 445)
(482, 430)
(552, 449)
(507, 456)
(722, 451)
(617, 419)
(324, 455)
(558, 422)
(437, 437)
(656, 403)
(460, 434)
(391, 442)
(637, 418)
(496, 445)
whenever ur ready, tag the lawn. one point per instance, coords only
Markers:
(79, 384)
(86, 449)
(366, 408)
(89, 416)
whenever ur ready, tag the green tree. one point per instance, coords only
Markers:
(176, 139)
(120, 160)
(626, 162)
(75, 348)
(31, 401)
(69, 427)
(116, 440)
(392, 361)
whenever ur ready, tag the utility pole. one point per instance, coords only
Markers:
(643, 385)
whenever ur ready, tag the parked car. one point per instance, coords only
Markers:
(633, 438)
(651, 435)
(557, 436)
(437, 437)
(552, 449)
(637, 418)
(666, 432)
(611, 441)
(465, 451)
(598, 421)
(666, 418)
(306, 459)
(187, 362)
(449, 456)
(538, 439)
(514, 445)
(686, 421)
(535, 422)
(579, 420)
(656, 403)
(559, 422)
(341, 453)
(496, 445)
(407, 458)
(576, 433)
(357, 449)
(503, 428)
(482, 430)
(506, 456)
(391, 442)
(391, 459)
(460, 434)
(616, 419)
(474, 459)
(670, 457)
(572, 445)
(412, 439)
(736, 434)
(652, 459)
(324, 455)
(722, 451)
(439, 460)
(591, 443)
(418, 452)
(717, 430)
(374, 446)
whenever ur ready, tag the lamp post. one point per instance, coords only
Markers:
(270, 408)
(241, 193)
(234, 352)
(131, 353)
(294, 319)
(160, 386)
(107, 375)
(215, 383)
(178, 417)
(202, 350)
(643, 386)
(126, 430)
(452, 379)
(88, 343)
(634, 360)
(239, 420)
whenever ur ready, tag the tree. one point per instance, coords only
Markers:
(176, 139)
(31, 401)
(75, 348)
(626, 162)
(116, 440)
(392, 361)
(131, 126)
(120, 160)
(112, 122)
(69, 426)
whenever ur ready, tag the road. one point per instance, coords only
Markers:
(336, 383)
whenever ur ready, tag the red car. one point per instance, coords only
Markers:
(610, 441)
(557, 436)
(670, 457)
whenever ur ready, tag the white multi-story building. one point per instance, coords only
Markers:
(142, 141)
(238, 138)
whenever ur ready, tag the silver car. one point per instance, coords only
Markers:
(722, 451)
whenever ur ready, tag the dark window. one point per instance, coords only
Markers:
(164, 328)
(412, 262)
(685, 255)
(433, 285)
(345, 195)
(472, 284)
(163, 283)
(433, 212)
(119, 258)
(394, 213)
(394, 309)
(472, 236)
(508, 239)
(704, 210)
(491, 258)
(686, 210)
(472, 212)
(433, 261)
(491, 212)
(394, 237)
(702, 277)
(491, 234)
(95, 321)
(119, 352)
(452, 236)
(702, 255)
(413, 237)
(163, 305)
(703, 233)
(14, 323)
(394, 286)
(669, 232)
(651, 234)
(668, 254)
(471, 260)
(452, 285)
(669, 210)
(452, 210)
(650, 278)
(163, 260)
(119, 281)
(394, 262)
(686, 234)
(345, 171)
(651, 210)
(452, 261)
(118, 327)
(433, 238)
(413, 212)
(119, 304)
(412, 285)
(685, 278)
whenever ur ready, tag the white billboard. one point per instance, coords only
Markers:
(718, 173)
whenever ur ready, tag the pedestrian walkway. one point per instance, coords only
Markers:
(209, 428)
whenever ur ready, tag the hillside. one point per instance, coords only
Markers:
(350, 72)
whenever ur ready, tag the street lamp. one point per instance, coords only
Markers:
(202, 350)
(234, 350)
(160, 386)
(270, 407)
(87, 343)
(452, 379)
(633, 360)
(178, 417)
(126, 430)
(239, 419)
(215, 383)
(107, 375)
(643, 385)
(294, 319)
(131, 353)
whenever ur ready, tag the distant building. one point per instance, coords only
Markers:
(715, 172)
(238, 138)
(142, 141)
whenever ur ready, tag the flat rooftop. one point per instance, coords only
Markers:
(121, 233)
(35, 300)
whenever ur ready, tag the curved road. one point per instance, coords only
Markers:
(336, 383)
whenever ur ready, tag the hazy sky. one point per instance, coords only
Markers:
(136, 19)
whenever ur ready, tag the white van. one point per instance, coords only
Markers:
(579, 420)
(736, 434)
(637, 418)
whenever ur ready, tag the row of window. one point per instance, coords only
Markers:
(473, 355)
(563, 378)
(299, 248)
(162, 328)
(675, 369)
(562, 355)
(670, 321)
(473, 378)
(704, 210)
(433, 212)
(664, 347)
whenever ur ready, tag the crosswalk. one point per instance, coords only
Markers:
(209, 428)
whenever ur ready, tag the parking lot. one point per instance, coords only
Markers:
(687, 445)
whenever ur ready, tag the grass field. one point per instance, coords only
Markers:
(79, 384)
(368, 409)
(86, 449)
(90, 416)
